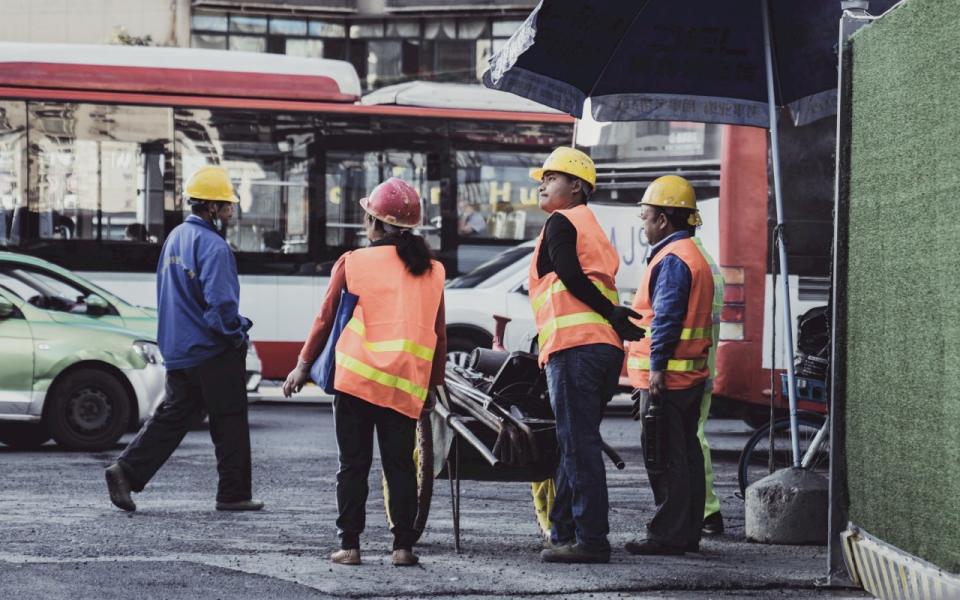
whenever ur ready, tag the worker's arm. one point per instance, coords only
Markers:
(323, 322)
(220, 287)
(439, 368)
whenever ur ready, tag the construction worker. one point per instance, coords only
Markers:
(670, 366)
(712, 518)
(581, 329)
(203, 341)
(391, 353)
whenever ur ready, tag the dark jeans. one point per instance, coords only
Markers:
(219, 386)
(680, 491)
(355, 420)
(581, 381)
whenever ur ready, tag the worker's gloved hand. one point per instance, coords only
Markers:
(636, 411)
(299, 376)
(625, 328)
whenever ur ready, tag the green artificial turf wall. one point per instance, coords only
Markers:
(903, 337)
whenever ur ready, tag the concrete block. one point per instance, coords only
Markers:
(789, 506)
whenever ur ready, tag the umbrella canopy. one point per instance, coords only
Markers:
(688, 60)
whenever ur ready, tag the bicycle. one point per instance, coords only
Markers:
(760, 458)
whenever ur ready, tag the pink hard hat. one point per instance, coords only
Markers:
(395, 202)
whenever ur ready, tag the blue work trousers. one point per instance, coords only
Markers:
(581, 381)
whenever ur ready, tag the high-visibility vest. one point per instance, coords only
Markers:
(385, 353)
(688, 365)
(562, 320)
(715, 312)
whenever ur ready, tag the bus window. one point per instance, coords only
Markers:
(268, 158)
(13, 169)
(99, 170)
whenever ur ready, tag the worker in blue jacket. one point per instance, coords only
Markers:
(203, 341)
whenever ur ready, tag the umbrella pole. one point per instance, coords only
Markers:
(784, 270)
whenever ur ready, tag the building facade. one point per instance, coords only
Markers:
(388, 41)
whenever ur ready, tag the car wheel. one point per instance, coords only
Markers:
(23, 436)
(87, 410)
(459, 349)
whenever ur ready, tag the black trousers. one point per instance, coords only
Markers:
(680, 491)
(355, 420)
(219, 386)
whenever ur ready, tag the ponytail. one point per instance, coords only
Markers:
(414, 252)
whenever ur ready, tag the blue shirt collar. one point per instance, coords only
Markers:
(198, 221)
(676, 235)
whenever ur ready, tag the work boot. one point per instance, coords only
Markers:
(240, 505)
(713, 525)
(574, 553)
(347, 556)
(403, 557)
(119, 488)
(652, 548)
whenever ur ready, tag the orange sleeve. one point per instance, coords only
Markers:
(323, 322)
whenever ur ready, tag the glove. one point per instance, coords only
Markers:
(620, 319)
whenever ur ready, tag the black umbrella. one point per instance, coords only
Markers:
(714, 61)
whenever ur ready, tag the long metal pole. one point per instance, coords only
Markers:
(784, 270)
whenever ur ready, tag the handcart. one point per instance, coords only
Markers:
(493, 423)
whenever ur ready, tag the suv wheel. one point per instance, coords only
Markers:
(87, 410)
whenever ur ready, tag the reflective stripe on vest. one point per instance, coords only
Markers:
(698, 333)
(559, 286)
(409, 346)
(677, 366)
(373, 374)
(584, 318)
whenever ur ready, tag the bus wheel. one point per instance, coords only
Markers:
(88, 409)
(23, 436)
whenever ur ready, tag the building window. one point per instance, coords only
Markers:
(13, 170)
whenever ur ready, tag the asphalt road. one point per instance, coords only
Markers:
(61, 537)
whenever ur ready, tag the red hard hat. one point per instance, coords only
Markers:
(395, 202)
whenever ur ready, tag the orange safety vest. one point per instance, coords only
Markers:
(688, 366)
(562, 320)
(385, 353)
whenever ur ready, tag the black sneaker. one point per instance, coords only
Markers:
(713, 525)
(574, 553)
(240, 505)
(119, 488)
(652, 548)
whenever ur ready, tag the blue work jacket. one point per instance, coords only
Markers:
(669, 293)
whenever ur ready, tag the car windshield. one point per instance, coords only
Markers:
(491, 267)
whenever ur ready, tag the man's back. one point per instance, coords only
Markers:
(197, 296)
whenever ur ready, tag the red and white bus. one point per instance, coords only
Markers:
(95, 142)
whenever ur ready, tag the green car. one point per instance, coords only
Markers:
(76, 363)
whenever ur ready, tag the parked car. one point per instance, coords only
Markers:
(67, 376)
(50, 287)
(496, 287)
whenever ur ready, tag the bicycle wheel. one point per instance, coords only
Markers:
(755, 458)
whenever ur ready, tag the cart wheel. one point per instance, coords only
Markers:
(423, 458)
(424, 472)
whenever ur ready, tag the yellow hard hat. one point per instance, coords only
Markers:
(570, 161)
(211, 183)
(673, 191)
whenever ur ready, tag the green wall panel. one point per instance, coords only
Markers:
(903, 345)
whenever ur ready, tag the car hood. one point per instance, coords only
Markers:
(95, 325)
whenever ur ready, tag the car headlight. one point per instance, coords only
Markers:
(149, 352)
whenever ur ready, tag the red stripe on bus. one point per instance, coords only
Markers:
(277, 358)
(278, 105)
(159, 80)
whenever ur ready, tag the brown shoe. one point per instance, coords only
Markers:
(404, 558)
(346, 557)
(119, 488)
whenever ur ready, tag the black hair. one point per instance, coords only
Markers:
(411, 248)
(585, 189)
(679, 218)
